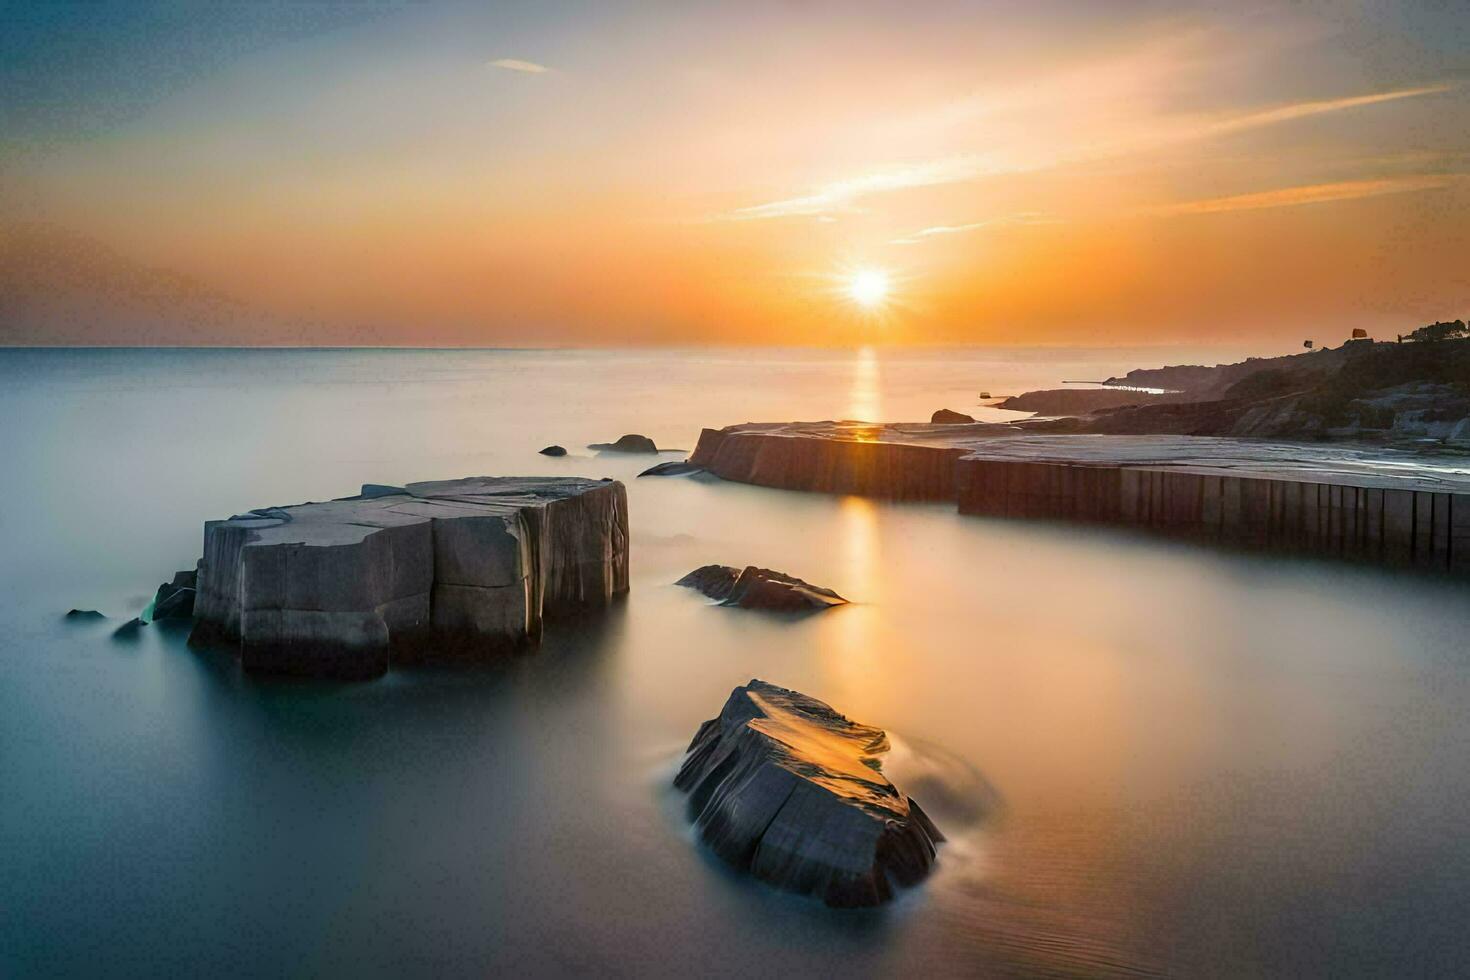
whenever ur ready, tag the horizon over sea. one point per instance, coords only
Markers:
(1147, 756)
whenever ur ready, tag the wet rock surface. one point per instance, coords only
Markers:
(632, 443)
(715, 581)
(782, 786)
(675, 468)
(442, 570)
(759, 588)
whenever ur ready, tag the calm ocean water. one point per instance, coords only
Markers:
(1148, 757)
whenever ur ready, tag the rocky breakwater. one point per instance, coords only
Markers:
(895, 462)
(782, 786)
(1362, 502)
(448, 569)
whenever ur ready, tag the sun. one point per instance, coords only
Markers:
(868, 288)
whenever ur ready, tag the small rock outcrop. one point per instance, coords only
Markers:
(129, 630)
(945, 417)
(782, 786)
(553, 451)
(715, 581)
(173, 600)
(83, 616)
(1081, 401)
(675, 468)
(631, 443)
(759, 588)
(441, 570)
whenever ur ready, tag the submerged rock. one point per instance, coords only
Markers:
(759, 588)
(83, 615)
(455, 568)
(553, 451)
(945, 417)
(678, 468)
(782, 786)
(128, 630)
(631, 443)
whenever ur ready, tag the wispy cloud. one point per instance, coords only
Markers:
(1022, 218)
(842, 194)
(516, 64)
(1301, 110)
(1288, 197)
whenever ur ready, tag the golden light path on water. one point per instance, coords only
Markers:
(850, 647)
(865, 398)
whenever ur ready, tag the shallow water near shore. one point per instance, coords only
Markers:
(1148, 757)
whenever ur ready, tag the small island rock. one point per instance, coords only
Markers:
(782, 786)
(759, 588)
(553, 451)
(631, 443)
(83, 615)
(945, 417)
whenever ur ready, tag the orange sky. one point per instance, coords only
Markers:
(661, 174)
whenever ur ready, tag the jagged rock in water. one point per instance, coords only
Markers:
(455, 568)
(171, 602)
(715, 581)
(83, 615)
(782, 786)
(759, 588)
(128, 630)
(945, 417)
(631, 443)
(553, 451)
(677, 468)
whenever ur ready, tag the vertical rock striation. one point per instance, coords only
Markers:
(456, 568)
(828, 458)
(786, 788)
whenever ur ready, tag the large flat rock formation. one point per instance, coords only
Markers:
(1366, 503)
(786, 788)
(447, 569)
(896, 462)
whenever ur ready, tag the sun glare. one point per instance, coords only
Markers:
(868, 288)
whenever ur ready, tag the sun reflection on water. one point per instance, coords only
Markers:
(851, 640)
(865, 398)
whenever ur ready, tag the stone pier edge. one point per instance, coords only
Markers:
(1424, 529)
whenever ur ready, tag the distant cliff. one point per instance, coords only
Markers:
(1385, 392)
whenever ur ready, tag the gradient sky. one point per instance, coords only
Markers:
(559, 173)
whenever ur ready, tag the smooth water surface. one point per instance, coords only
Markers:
(1148, 757)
